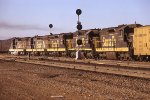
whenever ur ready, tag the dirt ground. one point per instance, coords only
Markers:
(34, 82)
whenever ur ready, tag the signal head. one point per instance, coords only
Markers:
(50, 25)
(79, 26)
(79, 42)
(78, 12)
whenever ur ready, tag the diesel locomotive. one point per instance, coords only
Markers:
(124, 42)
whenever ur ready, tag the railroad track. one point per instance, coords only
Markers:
(115, 69)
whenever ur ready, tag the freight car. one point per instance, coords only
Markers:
(141, 43)
(5, 45)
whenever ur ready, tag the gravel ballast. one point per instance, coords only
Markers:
(36, 82)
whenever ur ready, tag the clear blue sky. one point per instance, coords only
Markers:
(32, 17)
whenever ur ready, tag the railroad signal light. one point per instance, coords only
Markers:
(78, 12)
(79, 42)
(79, 26)
(50, 25)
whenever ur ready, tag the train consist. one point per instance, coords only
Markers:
(124, 42)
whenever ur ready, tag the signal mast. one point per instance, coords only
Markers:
(79, 40)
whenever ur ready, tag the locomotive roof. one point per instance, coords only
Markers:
(128, 25)
(109, 30)
(120, 27)
(21, 38)
(84, 32)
